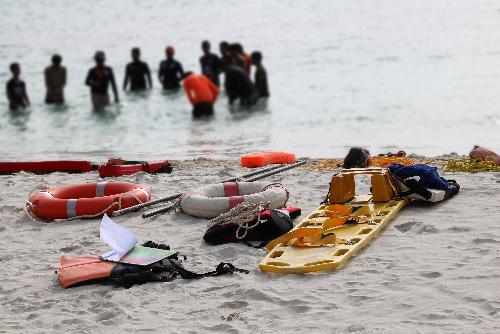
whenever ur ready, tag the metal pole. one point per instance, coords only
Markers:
(258, 177)
(282, 169)
(159, 211)
(146, 204)
(172, 197)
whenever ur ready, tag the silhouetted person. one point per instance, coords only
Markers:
(16, 89)
(136, 72)
(260, 75)
(209, 63)
(55, 80)
(236, 58)
(201, 92)
(171, 72)
(238, 85)
(247, 60)
(224, 52)
(99, 78)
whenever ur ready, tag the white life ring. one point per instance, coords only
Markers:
(221, 197)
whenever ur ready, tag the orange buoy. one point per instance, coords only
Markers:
(260, 159)
(86, 200)
(199, 89)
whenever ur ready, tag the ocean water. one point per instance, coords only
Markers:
(420, 76)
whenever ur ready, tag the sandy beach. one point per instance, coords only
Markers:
(384, 76)
(434, 269)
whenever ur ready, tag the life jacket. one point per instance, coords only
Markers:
(422, 182)
(356, 158)
(199, 88)
(272, 224)
(119, 167)
(91, 269)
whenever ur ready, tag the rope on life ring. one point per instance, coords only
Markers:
(242, 214)
(279, 185)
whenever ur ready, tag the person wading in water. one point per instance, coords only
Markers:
(16, 89)
(137, 72)
(99, 78)
(171, 72)
(55, 80)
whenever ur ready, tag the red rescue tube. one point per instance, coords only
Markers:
(87, 199)
(39, 167)
(259, 159)
(126, 168)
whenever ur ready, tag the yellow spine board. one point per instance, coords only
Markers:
(371, 217)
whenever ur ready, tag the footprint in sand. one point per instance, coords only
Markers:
(300, 308)
(68, 249)
(106, 315)
(226, 172)
(427, 228)
(354, 329)
(405, 227)
(431, 274)
(459, 229)
(479, 241)
(235, 304)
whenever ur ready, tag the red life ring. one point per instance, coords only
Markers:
(86, 200)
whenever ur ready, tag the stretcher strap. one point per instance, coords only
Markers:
(306, 237)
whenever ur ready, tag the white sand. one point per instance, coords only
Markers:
(436, 268)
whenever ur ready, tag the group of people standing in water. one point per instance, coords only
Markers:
(201, 89)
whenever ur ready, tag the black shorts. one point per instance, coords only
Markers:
(203, 109)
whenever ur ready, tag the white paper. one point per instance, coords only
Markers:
(117, 237)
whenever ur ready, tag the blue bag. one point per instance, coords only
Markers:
(429, 177)
(422, 182)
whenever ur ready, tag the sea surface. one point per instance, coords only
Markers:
(423, 76)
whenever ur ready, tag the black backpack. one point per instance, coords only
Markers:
(356, 158)
(274, 223)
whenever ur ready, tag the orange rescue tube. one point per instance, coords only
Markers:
(259, 159)
(86, 200)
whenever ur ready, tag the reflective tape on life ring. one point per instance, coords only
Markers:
(143, 191)
(219, 198)
(71, 208)
(99, 190)
(231, 189)
(235, 201)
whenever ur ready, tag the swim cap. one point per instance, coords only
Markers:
(170, 50)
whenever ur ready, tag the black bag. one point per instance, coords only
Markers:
(356, 158)
(273, 224)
